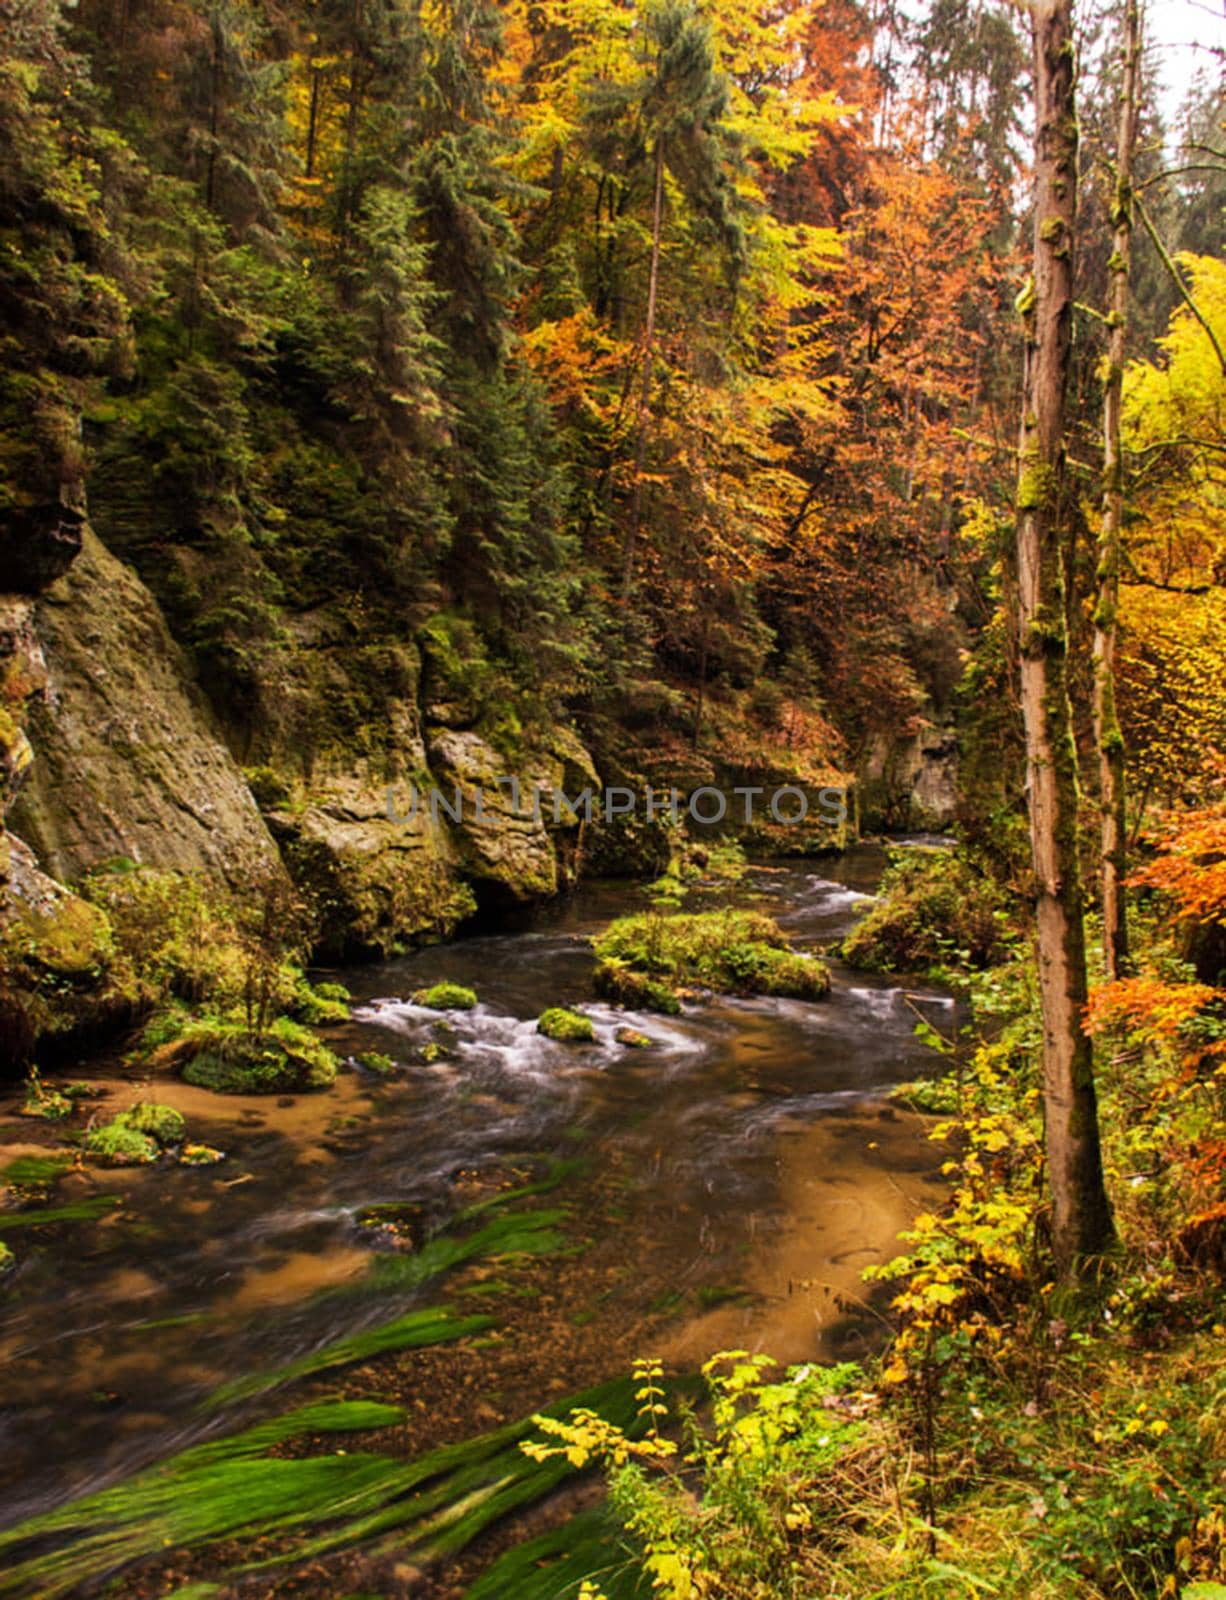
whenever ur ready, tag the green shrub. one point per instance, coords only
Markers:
(569, 1027)
(933, 911)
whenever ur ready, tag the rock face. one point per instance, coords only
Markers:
(912, 782)
(38, 544)
(514, 834)
(377, 873)
(128, 759)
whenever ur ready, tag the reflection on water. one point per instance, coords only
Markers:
(752, 1127)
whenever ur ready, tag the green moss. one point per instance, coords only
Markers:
(7, 1258)
(732, 952)
(376, 1061)
(35, 1172)
(225, 1057)
(161, 1123)
(618, 981)
(446, 997)
(633, 1039)
(320, 1003)
(116, 1145)
(569, 1027)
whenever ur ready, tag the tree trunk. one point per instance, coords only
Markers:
(649, 339)
(312, 123)
(1107, 734)
(1081, 1216)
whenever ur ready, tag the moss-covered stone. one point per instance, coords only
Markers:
(225, 1057)
(129, 760)
(632, 1039)
(375, 1061)
(116, 1144)
(933, 910)
(40, 1101)
(161, 1123)
(320, 1002)
(445, 997)
(732, 952)
(7, 1259)
(618, 981)
(200, 1155)
(568, 1027)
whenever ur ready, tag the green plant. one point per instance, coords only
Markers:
(726, 1515)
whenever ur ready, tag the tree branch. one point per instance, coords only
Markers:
(1177, 276)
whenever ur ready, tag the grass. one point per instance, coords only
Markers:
(79, 1211)
(551, 1567)
(232, 1488)
(428, 1325)
(208, 1492)
(518, 1233)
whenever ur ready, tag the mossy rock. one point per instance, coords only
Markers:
(433, 1052)
(320, 1003)
(616, 980)
(445, 997)
(375, 1061)
(200, 1155)
(568, 1027)
(933, 910)
(161, 1123)
(7, 1259)
(731, 952)
(632, 1039)
(48, 1104)
(287, 1059)
(116, 1145)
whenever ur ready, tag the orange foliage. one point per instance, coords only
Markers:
(1153, 1009)
(1191, 868)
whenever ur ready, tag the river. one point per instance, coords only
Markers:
(725, 1186)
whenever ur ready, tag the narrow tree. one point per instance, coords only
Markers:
(1081, 1216)
(1107, 735)
(681, 101)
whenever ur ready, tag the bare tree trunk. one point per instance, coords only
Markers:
(1081, 1215)
(1107, 734)
(216, 73)
(649, 340)
(312, 123)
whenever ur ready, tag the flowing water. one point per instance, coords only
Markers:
(730, 1182)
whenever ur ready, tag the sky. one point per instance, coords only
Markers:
(1185, 33)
